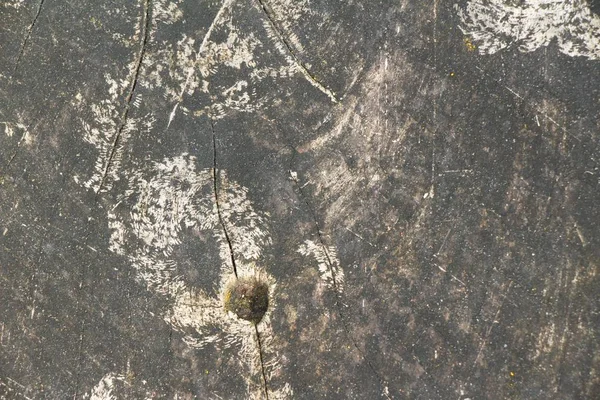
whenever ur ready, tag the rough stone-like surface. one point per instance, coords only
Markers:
(418, 184)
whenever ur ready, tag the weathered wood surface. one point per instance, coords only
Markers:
(418, 182)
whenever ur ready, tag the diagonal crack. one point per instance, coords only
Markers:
(28, 35)
(145, 28)
(226, 4)
(319, 235)
(299, 64)
(338, 299)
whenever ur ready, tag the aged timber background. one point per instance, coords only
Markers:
(417, 181)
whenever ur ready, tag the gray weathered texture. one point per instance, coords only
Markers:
(426, 214)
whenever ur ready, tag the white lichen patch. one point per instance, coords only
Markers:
(166, 12)
(102, 131)
(238, 98)
(236, 51)
(11, 127)
(170, 68)
(13, 3)
(225, 68)
(182, 69)
(104, 390)
(212, 324)
(246, 227)
(498, 24)
(168, 198)
(327, 262)
(171, 199)
(20, 130)
(288, 14)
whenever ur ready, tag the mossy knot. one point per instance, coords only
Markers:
(248, 298)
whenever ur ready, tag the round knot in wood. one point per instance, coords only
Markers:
(248, 298)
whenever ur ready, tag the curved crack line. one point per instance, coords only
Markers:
(338, 299)
(231, 253)
(299, 64)
(28, 35)
(145, 28)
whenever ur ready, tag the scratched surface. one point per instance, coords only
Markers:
(417, 182)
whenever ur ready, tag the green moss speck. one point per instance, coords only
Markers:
(248, 298)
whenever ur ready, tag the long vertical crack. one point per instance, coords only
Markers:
(262, 363)
(231, 253)
(145, 27)
(338, 300)
(299, 64)
(217, 202)
(28, 35)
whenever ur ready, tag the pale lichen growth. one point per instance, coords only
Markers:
(166, 12)
(167, 201)
(101, 132)
(327, 262)
(105, 389)
(497, 24)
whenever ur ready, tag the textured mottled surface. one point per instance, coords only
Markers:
(418, 184)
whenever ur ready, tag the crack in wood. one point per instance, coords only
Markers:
(145, 28)
(299, 64)
(231, 253)
(28, 35)
(217, 202)
(262, 363)
(338, 300)
(217, 18)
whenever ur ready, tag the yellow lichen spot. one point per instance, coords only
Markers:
(469, 45)
(130, 377)
(97, 24)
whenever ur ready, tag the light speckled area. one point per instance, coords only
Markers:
(416, 182)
